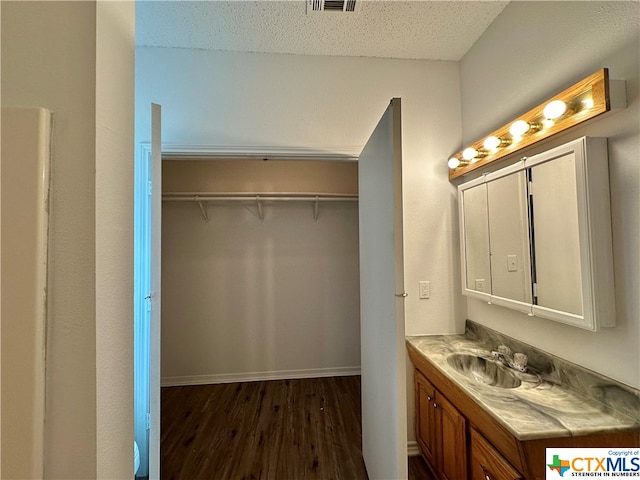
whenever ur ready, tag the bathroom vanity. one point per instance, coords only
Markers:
(479, 419)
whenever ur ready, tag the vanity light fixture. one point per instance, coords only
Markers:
(520, 127)
(583, 101)
(471, 154)
(493, 143)
(554, 109)
(455, 162)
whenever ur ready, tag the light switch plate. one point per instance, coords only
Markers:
(424, 289)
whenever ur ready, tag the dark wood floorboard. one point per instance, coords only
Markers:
(273, 430)
(418, 469)
(281, 429)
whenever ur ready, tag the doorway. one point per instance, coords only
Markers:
(386, 141)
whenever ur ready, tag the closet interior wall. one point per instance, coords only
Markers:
(250, 294)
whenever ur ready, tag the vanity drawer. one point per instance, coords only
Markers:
(487, 463)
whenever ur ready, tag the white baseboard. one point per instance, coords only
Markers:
(413, 449)
(258, 376)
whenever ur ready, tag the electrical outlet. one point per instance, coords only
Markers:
(424, 289)
(480, 284)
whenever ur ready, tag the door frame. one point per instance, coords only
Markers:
(141, 301)
(212, 152)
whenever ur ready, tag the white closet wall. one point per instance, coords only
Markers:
(247, 299)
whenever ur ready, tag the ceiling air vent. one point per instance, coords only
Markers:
(351, 6)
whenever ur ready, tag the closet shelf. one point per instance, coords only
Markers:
(203, 198)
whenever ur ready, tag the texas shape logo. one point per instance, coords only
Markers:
(560, 466)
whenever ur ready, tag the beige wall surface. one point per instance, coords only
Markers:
(76, 59)
(244, 298)
(510, 70)
(25, 184)
(259, 176)
(38, 40)
(114, 150)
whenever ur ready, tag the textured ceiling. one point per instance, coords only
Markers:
(433, 30)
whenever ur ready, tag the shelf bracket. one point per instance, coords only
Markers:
(315, 209)
(203, 208)
(260, 211)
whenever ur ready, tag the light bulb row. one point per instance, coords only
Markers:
(552, 112)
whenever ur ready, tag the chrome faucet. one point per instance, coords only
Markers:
(517, 361)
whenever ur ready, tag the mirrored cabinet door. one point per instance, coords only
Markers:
(571, 238)
(475, 224)
(558, 270)
(509, 234)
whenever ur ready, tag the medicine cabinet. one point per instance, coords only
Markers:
(536, 236)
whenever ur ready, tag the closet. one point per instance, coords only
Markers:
(260, 270)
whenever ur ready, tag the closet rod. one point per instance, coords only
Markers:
(203, 199)
(268, 197)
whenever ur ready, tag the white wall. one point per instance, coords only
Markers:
(76, 59)
(532, 51)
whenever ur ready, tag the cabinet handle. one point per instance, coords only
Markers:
(429, 397)
(435, 405)
(484, 472)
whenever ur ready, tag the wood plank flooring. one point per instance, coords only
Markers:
(418, 469)
(282, 429)
(273, 430)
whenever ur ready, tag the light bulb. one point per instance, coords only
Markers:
(469, 153)
(588, 103)
(453, 162)
(491, 143)
(519, 128)
(554, 109)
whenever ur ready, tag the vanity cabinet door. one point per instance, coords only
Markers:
(487, 463)
(425, 417)
(452, 444)
(440, 431)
